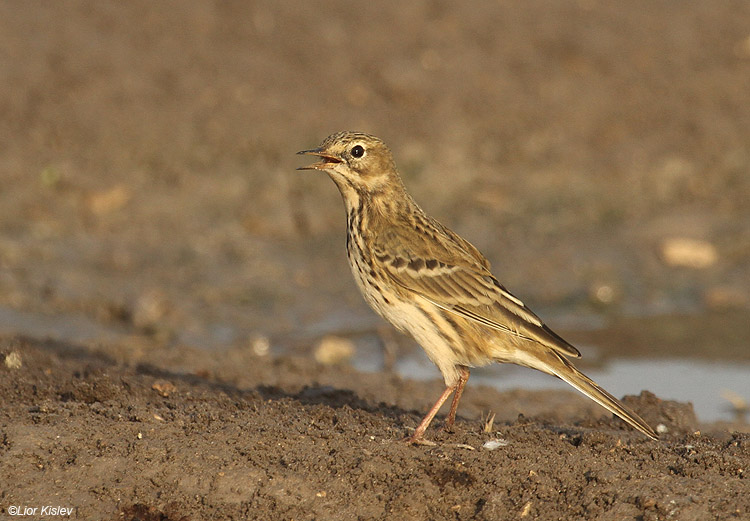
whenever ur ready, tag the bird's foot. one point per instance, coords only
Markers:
(419, 440)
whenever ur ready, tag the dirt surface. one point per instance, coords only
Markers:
(148, 167)
(187, 435)
(166, 274)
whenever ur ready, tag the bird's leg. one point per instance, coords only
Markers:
(418, 435)
(463, 377)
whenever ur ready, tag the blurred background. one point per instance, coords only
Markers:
(597, 153)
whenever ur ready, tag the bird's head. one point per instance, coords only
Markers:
(355, 161)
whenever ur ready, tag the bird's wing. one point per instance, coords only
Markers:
(454, 276)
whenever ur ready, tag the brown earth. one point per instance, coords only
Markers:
(185, 434)
(154, 234)
(148, 168)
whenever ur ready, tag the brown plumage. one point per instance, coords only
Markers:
(429, 282)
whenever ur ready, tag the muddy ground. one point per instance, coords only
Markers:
(166, 274)
(183, 434)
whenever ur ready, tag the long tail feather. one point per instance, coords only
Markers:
(567, 372)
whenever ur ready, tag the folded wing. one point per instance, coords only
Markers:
(457, 279)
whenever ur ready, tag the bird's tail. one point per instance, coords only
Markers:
(567, 372)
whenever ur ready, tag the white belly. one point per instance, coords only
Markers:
(418, 319)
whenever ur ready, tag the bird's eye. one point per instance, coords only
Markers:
(357, 151)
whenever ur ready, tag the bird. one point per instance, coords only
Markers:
(434, 285)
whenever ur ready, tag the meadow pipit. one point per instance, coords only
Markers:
(429, 282)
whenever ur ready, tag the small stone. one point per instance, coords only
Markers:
(260, 345)
(13, 360)
(164, 387)
(604, 293)
(149, 309)
(688, 253)
(495, 444)
(334, 350)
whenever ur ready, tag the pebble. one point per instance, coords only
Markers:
(688, 253)
(495, 444)
(13, 360)
(332, 350)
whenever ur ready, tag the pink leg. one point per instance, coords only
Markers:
(419, 431)
(462, 379)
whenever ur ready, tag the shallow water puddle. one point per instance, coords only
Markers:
(699, 359)
(705, 384)
(703, 360)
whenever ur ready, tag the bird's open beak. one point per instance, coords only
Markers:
(326, 160)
